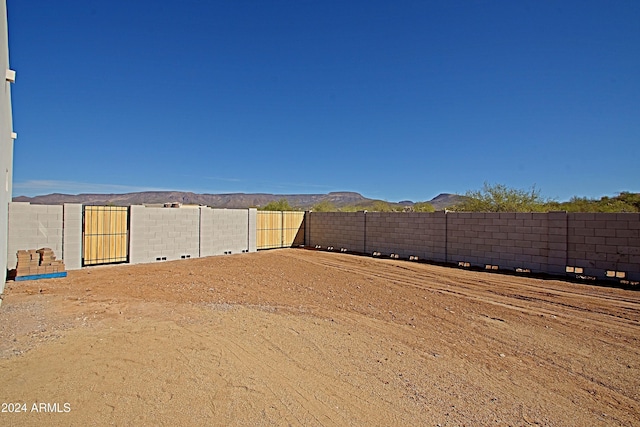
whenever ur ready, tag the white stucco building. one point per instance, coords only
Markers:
(7, 137)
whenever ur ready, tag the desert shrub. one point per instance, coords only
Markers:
(280, 205)
(423, 207)
(500, 198)
(324, 206)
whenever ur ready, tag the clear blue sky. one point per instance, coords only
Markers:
(393, 99)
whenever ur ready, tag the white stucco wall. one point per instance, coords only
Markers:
(6, 142)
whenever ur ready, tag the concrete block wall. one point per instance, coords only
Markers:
(163, 234)
(227, 231)
(231, 231)
(540, 242)
(337, 229)
(505, 240)
(408, 234)
(206, 232)
(307, 228)
(252, 230)
(557, 242)
(604, 242)
(34, 227)
(72, 236)
(154, 233)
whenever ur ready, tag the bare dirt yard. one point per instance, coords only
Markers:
(299, 337)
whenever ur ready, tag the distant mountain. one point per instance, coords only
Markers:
(445, 200)
(231, 200)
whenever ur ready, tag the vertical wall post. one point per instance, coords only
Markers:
(307, 228)
(253, 229)
(557, 241)
(282, 229)
(72, 236)
(446, 236)
(364, 239)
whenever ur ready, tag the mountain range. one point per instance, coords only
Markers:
(232, 200)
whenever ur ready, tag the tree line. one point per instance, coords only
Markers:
(491, 198)
(500, 198)
(327, 206)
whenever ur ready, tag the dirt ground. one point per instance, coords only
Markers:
(299, 337)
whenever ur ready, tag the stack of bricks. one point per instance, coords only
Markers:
(28, 261)
(35, 262)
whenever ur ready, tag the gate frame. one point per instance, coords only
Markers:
(281, 229)
(128, 238)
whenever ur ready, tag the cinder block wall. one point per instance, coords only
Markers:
(154, 233)
(226, 231)
(408, 234)
(557, 240)
(72, 236)
(163, 234)
(206, 231)
(540, 242)
(34, 227)
(609, 241)
(338, 229)
(253, 229)
(507, 240)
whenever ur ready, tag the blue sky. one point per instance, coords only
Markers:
(396, 100)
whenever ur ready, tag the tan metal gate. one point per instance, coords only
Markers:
(279, 229)
(105, 235)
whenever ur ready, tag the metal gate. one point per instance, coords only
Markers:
(278, 229)
(105, 236)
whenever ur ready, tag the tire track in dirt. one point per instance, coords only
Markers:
(572, 314)
(478, 285)
(302, 337)
(301, 377)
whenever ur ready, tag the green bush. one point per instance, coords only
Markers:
(280, 205)
(500, 198)
(423, 207)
